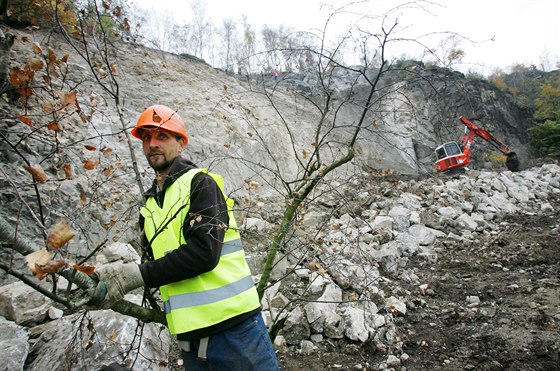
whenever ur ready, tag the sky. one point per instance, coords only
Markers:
(494, 33)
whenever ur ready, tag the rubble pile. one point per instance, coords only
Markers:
(364, 258)
(345, 287)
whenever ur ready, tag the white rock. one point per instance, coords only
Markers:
(396, 306)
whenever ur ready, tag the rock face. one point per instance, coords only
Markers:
(109, 338)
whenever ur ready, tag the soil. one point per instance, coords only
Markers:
(514, 272)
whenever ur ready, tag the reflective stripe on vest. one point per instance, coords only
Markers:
(209, 298)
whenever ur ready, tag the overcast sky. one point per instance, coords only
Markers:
(500, 33)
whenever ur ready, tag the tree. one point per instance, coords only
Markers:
(50, 107)
(546, 134)
(201, 28)
(448, 52)
(228, 35)
(246, 52)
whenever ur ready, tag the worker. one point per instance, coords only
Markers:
(196, 257)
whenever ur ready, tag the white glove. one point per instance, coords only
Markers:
(117, 279)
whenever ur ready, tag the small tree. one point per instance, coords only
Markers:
(546, 134)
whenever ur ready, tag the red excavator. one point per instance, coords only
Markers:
(452, 158)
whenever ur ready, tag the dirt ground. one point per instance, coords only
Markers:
(514, 273)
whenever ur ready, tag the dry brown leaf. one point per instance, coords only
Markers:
(37, 48)
(35, 259)
(25, 119)
(37, 173)
(87, 269)
(19, 77)
(83, 197)
(51, 56)
(59, 235)
(47, 107)
(69, 99)
(54, 126)
(90, 148)
(52, 266)
(68, 170)
(317, 267)
(41, 264)
(89, 164)
(35, 64)
(107, 151)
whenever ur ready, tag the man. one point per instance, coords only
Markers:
(197, 259)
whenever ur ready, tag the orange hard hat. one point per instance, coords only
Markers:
(160, 116)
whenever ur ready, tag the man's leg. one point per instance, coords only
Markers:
(246, 346)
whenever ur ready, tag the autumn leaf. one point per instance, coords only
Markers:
(89, 164)
(59, 234)
(19, 77)
(117, 11)
(87, 269)
(37, 48)
(126, 24)
(83, 197)
(35, 64)
(35, 257)
(90, 147)
(107, 151)
(41, 264)
(69, 99)
(83, 117)
(51, 56)
(25, 119)
(47, 107)
(54, 126)
(317, 267)
(52, 266)
(68, 170)
(37, 173)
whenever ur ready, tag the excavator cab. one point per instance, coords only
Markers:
(447, 149)
(449, 156)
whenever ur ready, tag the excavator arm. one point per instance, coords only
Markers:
(452, 157)
(475, 130)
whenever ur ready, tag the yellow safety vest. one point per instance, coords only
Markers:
(212, 297)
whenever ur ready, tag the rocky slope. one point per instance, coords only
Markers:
(376, 272)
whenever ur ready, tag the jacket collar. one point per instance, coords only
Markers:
(179, 166)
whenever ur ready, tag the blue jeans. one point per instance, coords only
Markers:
(243, 347)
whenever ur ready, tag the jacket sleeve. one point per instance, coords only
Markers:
(204, 231)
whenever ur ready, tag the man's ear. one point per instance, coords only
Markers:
(181, 143)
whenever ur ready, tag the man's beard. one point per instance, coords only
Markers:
(160, 165)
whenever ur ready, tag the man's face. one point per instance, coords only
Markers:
(161, 147)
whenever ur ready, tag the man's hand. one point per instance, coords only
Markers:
(115, 280)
